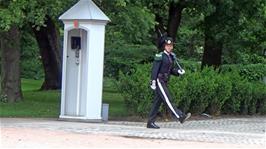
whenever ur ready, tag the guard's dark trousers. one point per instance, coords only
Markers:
(162, 95)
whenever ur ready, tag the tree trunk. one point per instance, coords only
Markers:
(174, 18)
(10, 65)
(212, 55)
(48, 40)
(173, 22)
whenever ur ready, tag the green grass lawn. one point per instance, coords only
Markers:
(47, 103)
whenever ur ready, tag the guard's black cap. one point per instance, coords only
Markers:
(168, 40)
(165, 40)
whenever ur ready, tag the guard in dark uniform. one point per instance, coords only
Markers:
(163, 67)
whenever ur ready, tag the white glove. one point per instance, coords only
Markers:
(153, 84)
(181, 71)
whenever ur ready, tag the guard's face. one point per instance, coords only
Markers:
(169, 47)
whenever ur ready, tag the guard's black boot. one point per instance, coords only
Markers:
(152, 125)
(184, 118)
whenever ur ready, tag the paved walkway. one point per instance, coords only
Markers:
(234, 131)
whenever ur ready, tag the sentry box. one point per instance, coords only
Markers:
(83, 57)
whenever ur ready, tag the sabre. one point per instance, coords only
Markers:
(178, 64)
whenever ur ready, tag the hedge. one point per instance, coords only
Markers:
(210, 91)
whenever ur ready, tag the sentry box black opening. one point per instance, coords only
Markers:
(75, 42)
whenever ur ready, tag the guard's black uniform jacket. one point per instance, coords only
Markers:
(163, 67)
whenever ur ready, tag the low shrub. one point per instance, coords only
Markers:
(197, 91)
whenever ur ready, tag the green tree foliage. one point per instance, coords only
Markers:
(128, 35)
(23, 12)
(227, 23)
(40, 17)
(232, 17)
(31, 66)
(9, 15)
(131, 22)
(189, 43)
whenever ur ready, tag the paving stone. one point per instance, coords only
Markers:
(225, 130)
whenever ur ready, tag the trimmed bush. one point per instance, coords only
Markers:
(240, 95)
(196, 91)
(246, 94)
(258, 102)
(205, 91)
(177, 87)
(251, 72)
(222, 93)
(135, 90)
